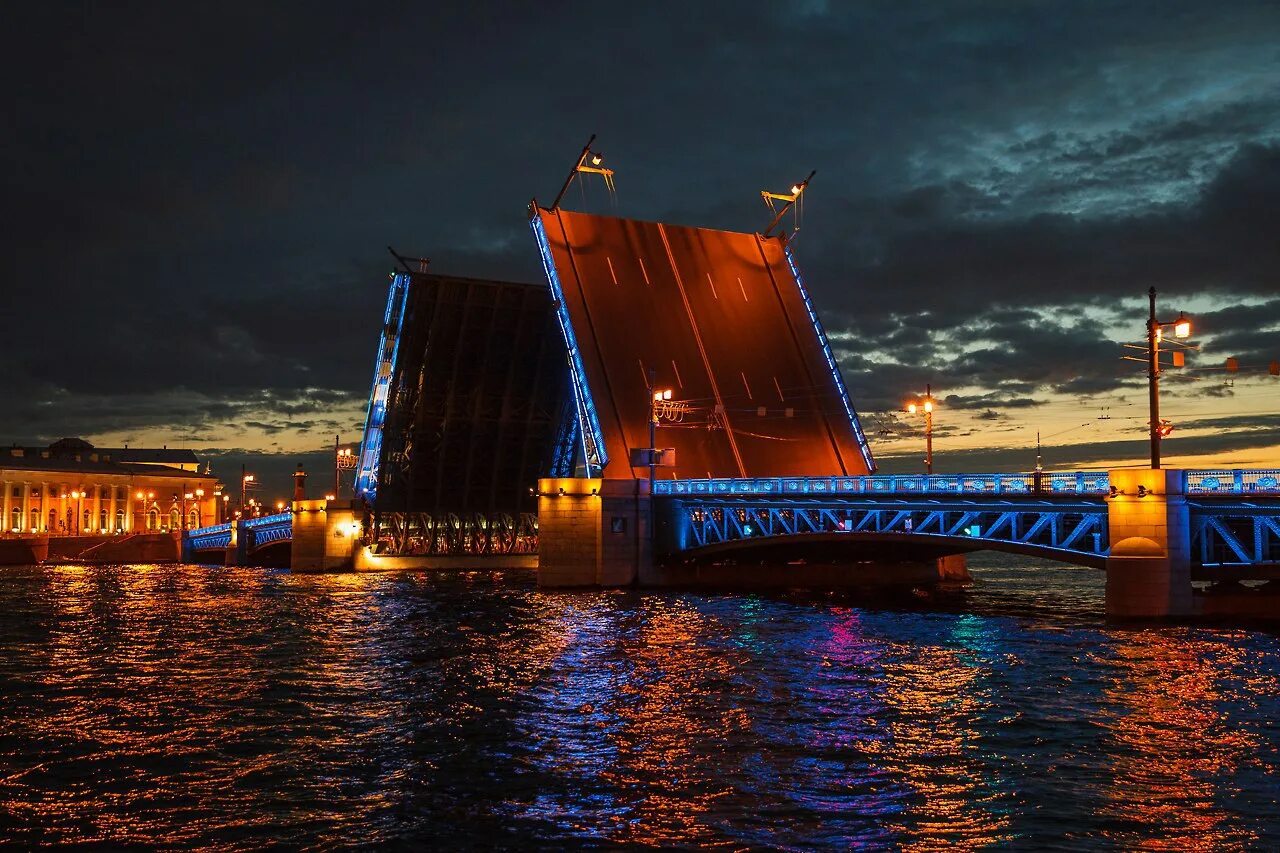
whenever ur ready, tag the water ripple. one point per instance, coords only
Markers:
(236, 708)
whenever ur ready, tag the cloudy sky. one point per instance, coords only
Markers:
(198, 200)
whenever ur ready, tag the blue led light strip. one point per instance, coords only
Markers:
(831, 362)
(588, 422)
(366, 483)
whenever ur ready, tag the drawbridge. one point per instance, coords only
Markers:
(720, 319)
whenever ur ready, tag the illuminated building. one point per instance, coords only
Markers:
(72, 488)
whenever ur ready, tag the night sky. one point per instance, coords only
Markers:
(198, 200)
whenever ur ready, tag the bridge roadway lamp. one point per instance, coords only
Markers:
(924, 406)
(1155, 334)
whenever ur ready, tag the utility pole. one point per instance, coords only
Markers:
(1153, 378)
(653, 428)
(335, 468)
(928, 429)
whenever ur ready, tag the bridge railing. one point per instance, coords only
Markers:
(1057, 482)
(1199, 482)
(1238, 481)
(211, 530)
(269, 520)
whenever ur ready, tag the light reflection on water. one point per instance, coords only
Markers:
(236, 707)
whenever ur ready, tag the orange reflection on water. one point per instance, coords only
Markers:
(938, 694)
(1171, 743)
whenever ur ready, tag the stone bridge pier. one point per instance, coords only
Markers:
(1149, 561)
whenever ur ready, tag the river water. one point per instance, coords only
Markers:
(234, 708)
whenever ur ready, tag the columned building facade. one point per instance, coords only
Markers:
(74, 489)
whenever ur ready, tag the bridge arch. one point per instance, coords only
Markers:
(842, 546)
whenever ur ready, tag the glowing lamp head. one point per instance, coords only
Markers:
(199, 493)
(596, 159)
(796, 189)
(139, 496)
(928, 405)
(911, 408)
(666, 395)
(1182, 328)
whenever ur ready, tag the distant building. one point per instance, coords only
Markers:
(73, 488)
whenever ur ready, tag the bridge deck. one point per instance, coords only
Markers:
(722, 319)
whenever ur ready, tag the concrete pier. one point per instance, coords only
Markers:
(592, 532)
(326, 535)
(1149, 565)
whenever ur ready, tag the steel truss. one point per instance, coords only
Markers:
(1072, 527)
(421, 533)
(1235, 534)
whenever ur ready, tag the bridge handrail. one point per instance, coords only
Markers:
(1235, 481)
(268, 520)
(210, 530)
(1200, 482)
(1055, 482)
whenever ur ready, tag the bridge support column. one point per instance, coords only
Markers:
(1149, 529)
(325, 536)
(592, 532)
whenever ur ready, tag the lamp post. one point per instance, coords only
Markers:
(1181, 329)
(656, 399)
(199, 510)
(245, 480)
(925, 405)
(343, 457)
(78, 497)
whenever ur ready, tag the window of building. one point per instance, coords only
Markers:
(15, 517)
(35, 492)
(153, 520)
(17, 491)
(87, 518)
(193, 519)
(119, 519)
(53, 520)
(175, 519)
(102, 520)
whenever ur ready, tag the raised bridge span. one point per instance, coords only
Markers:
(763, 456)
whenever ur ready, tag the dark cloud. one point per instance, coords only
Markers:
(198, 199)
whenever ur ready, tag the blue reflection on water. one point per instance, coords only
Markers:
(230, 708)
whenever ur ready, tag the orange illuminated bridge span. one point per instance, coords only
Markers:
(721, 320)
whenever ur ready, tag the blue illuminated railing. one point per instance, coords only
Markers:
(210, 530)
(269, 520)
(1235, 482)
(1061, 482)
(211, 537)
(366, 480)
(588, 421)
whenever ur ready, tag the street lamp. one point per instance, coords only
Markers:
(1155, 333)
(78, 497)
(343, 458)
(245, 480)
(924, 405)
(199, 511)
